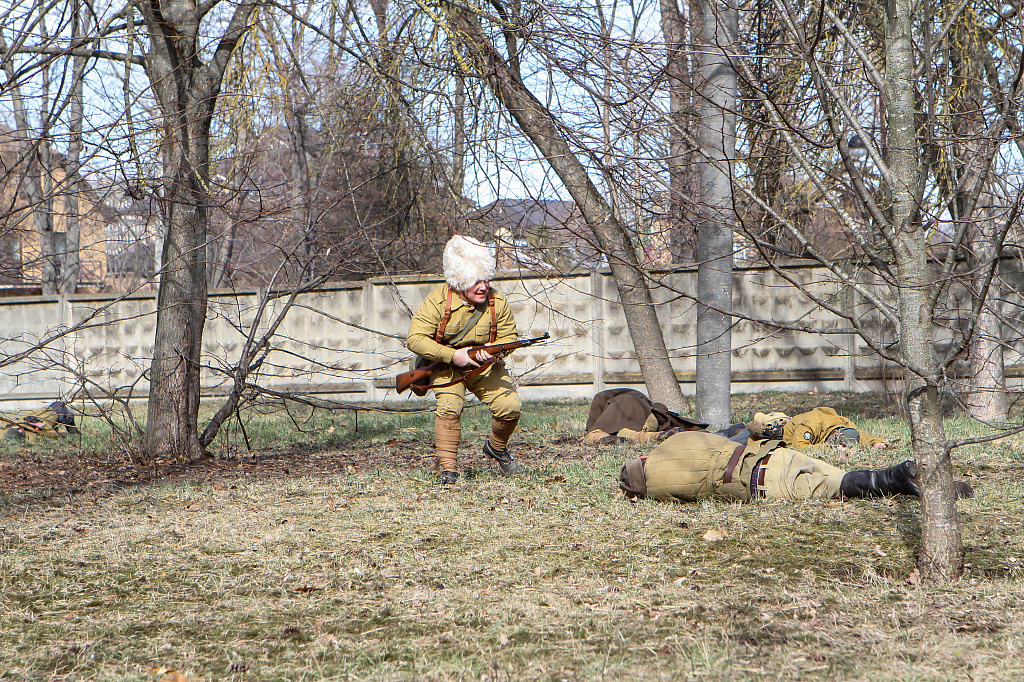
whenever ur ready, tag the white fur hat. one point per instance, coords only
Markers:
(466, 262)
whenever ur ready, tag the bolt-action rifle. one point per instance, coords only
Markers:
(419, 379)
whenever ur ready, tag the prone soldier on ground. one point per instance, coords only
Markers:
(819, 426)
(624, 414)
(693, 466)
(41, 423)
(619, 415)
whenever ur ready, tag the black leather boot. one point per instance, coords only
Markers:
(897, 480)
(506, 462)
(900, 479)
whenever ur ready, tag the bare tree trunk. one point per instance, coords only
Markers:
(678, 76)
(539, 125)
(71, 271)
(225, 248)
(43, 211)
(987, 398)
(187, 91)
(714, 235)
(941, 556)
(971, 206)
(29, 180)
(459, 139)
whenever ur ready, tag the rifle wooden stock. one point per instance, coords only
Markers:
(418, 379)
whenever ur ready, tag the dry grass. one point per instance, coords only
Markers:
(379, 574)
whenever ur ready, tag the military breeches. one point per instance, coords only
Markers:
(791, 475)
(493, 387)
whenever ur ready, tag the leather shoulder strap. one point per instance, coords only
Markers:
(494, 316)
(447, 314)
(730, 468)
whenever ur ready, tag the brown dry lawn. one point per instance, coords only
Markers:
(327, 553)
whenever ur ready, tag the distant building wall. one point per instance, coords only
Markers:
(322, 347)
(18, 225)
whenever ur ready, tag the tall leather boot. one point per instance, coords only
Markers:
(897, 480)
(447, 433)
(900, 479)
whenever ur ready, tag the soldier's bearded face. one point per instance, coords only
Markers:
(476, 294)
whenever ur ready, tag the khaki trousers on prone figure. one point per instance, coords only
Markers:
(494, 388)
(792, 475)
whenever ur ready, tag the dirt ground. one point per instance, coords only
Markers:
(60, 473)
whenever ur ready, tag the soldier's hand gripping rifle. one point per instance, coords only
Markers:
(419, 379)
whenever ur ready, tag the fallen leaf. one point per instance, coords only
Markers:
(555, 479)
(307, 588)
(915, 577)
(331, 430)
(327, 640)
(879, 551)
(538, 571)
(168, 674)
(503, 640)
(715, 535)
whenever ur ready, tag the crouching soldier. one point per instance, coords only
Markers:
(42, 423)
(463, 312)
(621, 414)
(694, 466)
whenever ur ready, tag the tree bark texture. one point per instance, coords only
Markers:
(538, 124)
(186, 90)
(678, 77)
(29, 176)
(972, 206)
(941, 553)
(987, 397)
(714, 232)
(72, 265)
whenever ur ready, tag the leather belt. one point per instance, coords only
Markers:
(757, 475)
(737, 455)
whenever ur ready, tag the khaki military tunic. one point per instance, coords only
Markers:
(692, 466)
(493, 386)
(814, 428)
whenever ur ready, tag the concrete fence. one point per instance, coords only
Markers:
(346, 340)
